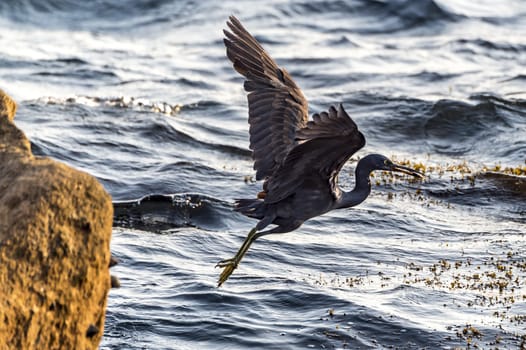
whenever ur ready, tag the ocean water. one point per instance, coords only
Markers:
(140, 94)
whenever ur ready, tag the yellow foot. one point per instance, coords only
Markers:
(229, 266)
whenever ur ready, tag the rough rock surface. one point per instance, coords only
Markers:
(55, 230)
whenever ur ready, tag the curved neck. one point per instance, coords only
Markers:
(362, 187)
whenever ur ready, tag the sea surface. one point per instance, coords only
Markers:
(140, 94)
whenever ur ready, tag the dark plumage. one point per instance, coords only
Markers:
(299, 160)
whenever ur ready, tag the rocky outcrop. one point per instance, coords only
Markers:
(55, 229)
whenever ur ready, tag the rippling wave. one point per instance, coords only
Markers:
(141, 95)
(163, 212)
(374, 17)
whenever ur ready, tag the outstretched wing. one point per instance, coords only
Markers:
(323, 147)
(276, 105)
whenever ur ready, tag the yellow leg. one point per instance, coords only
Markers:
(230, 265)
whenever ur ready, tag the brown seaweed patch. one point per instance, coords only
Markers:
(493, 285)
(450, 179)
(119, 102)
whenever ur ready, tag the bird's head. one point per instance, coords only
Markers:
(380, 162)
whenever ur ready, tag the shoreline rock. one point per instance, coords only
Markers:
(55, 231)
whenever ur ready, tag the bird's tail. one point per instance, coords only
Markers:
(253, 208)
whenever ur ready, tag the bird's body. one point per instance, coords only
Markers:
(299, 160)
(312, 197)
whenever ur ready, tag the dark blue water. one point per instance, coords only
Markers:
(139, 93)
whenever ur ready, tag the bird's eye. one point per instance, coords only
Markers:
(386, 162)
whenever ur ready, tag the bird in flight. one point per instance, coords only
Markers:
(298, 159)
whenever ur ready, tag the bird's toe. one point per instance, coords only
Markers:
(228, 269)
(226, 262)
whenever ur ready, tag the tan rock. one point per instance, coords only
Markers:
(55, 230)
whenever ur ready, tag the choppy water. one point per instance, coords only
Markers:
(140, 94)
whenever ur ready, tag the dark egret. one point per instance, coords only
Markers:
(297, 159)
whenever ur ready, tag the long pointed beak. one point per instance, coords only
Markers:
(408, 171)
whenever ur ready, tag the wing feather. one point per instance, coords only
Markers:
(276, 104)
(323, 147)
